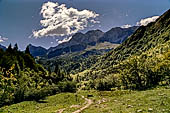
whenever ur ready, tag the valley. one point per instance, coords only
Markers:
(123, 70)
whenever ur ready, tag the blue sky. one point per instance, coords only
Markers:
(18, 18)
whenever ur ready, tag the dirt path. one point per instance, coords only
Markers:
(88, 103)
(60, 110)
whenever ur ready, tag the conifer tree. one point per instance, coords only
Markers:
(9, 49)
(27, 51)
(16, 47)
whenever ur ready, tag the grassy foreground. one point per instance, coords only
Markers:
(155, 100)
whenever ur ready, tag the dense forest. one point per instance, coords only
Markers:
(74, 62)
(21, 78)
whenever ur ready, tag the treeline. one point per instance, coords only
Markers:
(21, 78)
(73, 63)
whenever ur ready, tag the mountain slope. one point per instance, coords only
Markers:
(80, 38)
(145, 38)
(37, 51)
(80, 41)
(140, 62)
(117, 35)
(2, 47)
(78, 61)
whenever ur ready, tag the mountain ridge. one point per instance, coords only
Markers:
(2, 47)
(118, 34)
(37, 50)
(141, 40)
(81, 41)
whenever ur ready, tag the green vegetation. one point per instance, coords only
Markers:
(141, 62)
(78, 61)
(144, 39)
(120, 101)
(134, 77)
(147, 70)
(21, 78)
(71, 63)
(103, 46)
(154, 101)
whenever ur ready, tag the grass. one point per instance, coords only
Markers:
(104, 45)
(154, 101)
(48, 105)
(150, 101)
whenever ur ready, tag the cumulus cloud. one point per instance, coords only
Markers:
(146, 21)
(58, 20)
(142, 22)
(126, 26)
(3, 39)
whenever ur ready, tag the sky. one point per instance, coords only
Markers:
(49, 22)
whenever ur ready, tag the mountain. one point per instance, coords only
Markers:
(78, 61)
(2, 47)
(117, 35)
(80, 41)
(88, 38)
(83, 50)
(144, 39)
(37, 51)
(139, 63)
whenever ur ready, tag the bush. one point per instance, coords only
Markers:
(37, 94)
(145, 71)
(107, 83)
(67, 86)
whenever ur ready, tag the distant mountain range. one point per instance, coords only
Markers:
(117, 35)
(37, 51)
(2, 47)
(80, 41)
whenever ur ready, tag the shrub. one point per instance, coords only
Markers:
(67, 86)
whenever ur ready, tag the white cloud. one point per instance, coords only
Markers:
(3, 39)
(142, 22)
(64, 40)
(146, 21)
(58, 20)
(126, 26)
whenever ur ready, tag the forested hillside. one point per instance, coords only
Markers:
(142, 61)
(145, 38)
(21, 78)
(76, 62)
